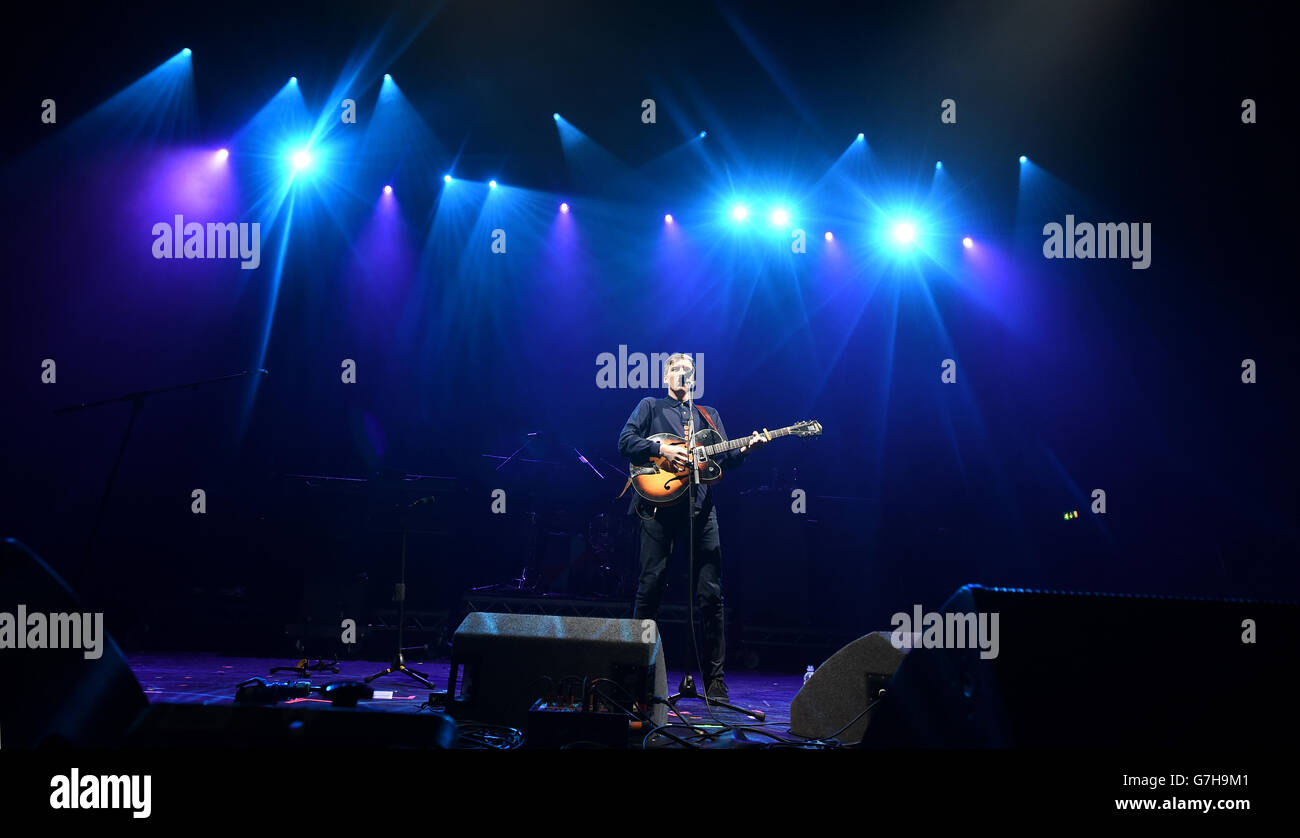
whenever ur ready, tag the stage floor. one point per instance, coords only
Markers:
(213, 679)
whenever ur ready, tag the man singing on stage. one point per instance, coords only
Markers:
(664, 527)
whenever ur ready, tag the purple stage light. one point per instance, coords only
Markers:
(564, 208)
(668, 219)
(967, 242)
(388, 190)
(830, 236)
(222, 155)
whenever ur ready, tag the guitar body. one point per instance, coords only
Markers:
(662, 486)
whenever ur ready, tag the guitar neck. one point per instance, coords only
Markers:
(732, 445)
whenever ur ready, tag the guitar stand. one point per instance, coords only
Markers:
(304, 667)
(686, 689)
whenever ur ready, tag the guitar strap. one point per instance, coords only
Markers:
(705, 414)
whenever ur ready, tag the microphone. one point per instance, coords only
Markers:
(416, 503)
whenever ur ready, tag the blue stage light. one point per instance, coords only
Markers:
(564, 208)
(555, 116)
(668, 219)
(861, 137)
(186, 52)
(905, 233)
(223, 155)
(387, 77)
(388, 190)
(780, 217)
(446, 178)
(938, 165)
(740, 212)
(703, 134)
(829, 236)
(1024, 159)
(492, 184)
(301, 159)
(967, 243)
(293, 79)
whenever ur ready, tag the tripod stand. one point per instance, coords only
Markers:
(398, 663)
(686, 689)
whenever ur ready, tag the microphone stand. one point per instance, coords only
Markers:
(687, 688)
(137, 404)
(398, 663)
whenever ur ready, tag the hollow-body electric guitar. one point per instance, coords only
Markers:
(662, 486)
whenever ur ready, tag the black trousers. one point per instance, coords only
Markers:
(659, 535)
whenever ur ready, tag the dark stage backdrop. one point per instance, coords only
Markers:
(1072, 376)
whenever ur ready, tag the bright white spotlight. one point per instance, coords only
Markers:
(740, 212)
(904, 232)
(938, 164)
(186, 52)
(829, 236)
(1024, 159)
(388, 190)
(492, 184)
(668, 219)
(446, 178)
(967, 243)
(222, 155)
(780, 217)
(861, 137)
(564, 208)
(388, 77)
(301, 159)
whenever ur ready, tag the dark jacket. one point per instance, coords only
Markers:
(668, 416)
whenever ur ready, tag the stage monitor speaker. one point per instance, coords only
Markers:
(1097, 671)
(63, 681)
(191, 726)
(507, 660)
(833, 701)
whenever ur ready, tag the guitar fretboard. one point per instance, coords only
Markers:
(731, 445)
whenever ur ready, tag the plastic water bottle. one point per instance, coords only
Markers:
(808, 674)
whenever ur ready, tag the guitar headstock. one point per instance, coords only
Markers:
(808, 427)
